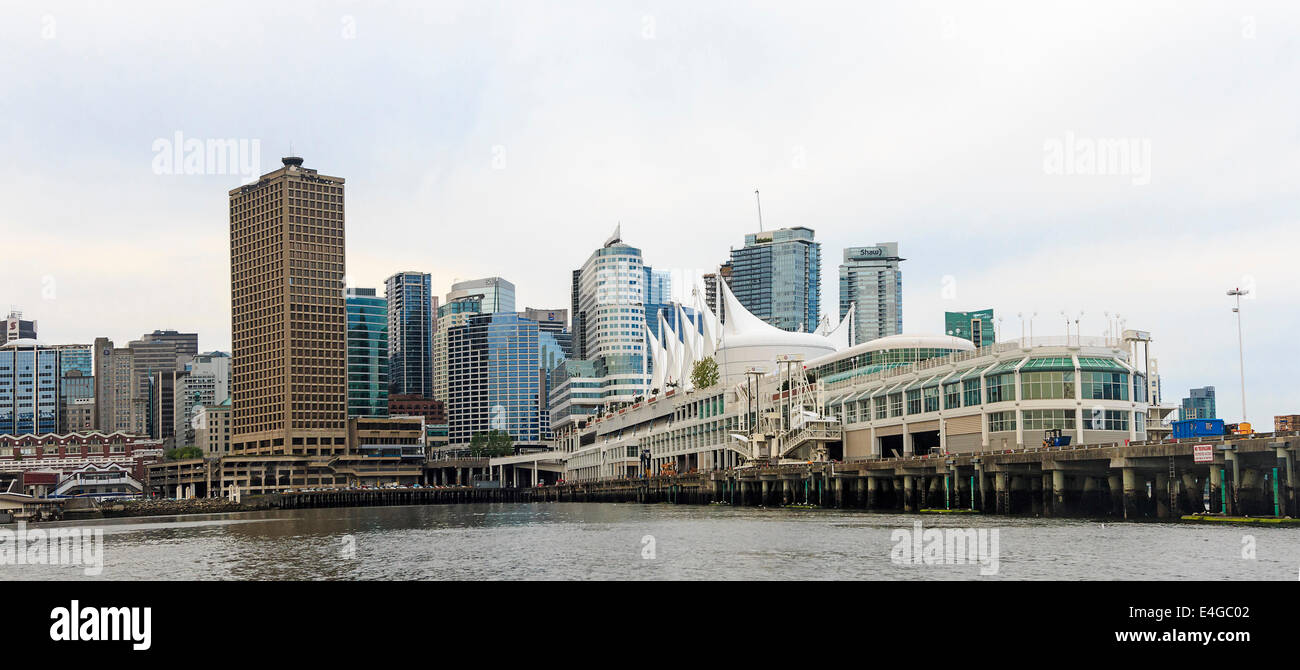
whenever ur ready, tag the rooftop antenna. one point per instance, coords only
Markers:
(759, 202)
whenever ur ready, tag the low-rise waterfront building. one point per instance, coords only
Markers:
(66, 454)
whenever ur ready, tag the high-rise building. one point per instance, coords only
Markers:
(711, 280)
(29, 388)
(114, 389)
(777, 277)
(411, 322)
(76, 387)
(134, 385)
(871, 279)
(974, 326)
(496, 294)
(367, 353)
(289, 326)
(609, 307)
(577, 324)
(455, 312)
(18, 329)
(658, 295)
(1199, 404)
(205, 381)
(495, 364)
(157, 357)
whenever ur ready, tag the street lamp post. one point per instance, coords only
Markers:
(1241, 357)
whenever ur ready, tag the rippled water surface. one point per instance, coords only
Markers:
(609, 541)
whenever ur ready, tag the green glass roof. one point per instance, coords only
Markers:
(934, 381)
(918, 383)
(1102, 364)
(1005, 366)
(1042, 364)
(974, 372)
(885, 390)
(857, 372)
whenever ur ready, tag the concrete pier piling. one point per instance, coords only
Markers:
(1003, 493)
(1161, 492)
(1132, 502)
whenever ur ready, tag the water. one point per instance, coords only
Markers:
(575, 541)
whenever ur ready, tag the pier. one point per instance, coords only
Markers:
(1247, 477)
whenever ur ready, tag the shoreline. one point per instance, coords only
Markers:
(142, 508)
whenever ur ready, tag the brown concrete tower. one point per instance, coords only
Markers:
(288, 315)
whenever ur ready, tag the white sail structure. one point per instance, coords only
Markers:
(745, 342)
(687, 349)
(842, 334)
(657, 358)
(708, 326)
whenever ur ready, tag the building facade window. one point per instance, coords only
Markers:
(1000, 388)
(1046, 385)
(1105, 386)
(951, 396)
(930, 399)
(1109, 419)
(1047, 419)
(1001, 421)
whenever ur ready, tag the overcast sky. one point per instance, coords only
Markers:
(508, 138)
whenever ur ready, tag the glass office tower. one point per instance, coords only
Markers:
(495, 366)
(974, 326)
(1198, 405)
(777, 277)
(367, 353)
(410, 334)
(870, 277)
(29, 388)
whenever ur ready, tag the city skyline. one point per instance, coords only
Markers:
(1008, 234)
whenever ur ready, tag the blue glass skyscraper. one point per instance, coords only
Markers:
(410, 334)
(367, 353)
(777, 277)
(495, 366)
(29, 388)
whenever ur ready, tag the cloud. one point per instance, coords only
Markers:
(508, 138)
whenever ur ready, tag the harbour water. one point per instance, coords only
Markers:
(572, 541)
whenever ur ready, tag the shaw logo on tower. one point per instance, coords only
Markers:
(103, 624)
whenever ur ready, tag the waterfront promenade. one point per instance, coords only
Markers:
(1247, 476)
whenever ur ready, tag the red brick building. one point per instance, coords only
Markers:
(433, 411)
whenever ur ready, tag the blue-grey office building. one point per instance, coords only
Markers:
(411, 322)
(495, 377)
(367, 353)
(29, 388)
(1199, 404)
(777, 277)
(870, 278)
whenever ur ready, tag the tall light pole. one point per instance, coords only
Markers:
(1241, 357)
